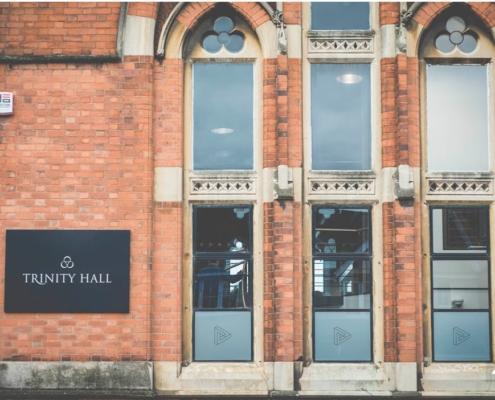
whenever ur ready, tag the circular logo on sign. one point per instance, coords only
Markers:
(67, 262)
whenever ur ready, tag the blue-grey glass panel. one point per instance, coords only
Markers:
(340, 15)
(223, 116)
(468, 44)
(460, 274)
(223, 229)
(457, 118)
(461, 336)
(341, 230)
(342, 284)
(341, 116)
(222, 283)
(222, 336)
(460, 230)
(342, 336)
(460, 299)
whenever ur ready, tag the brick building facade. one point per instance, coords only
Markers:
(364, 249)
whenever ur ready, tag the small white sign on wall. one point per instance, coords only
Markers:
(6, 103)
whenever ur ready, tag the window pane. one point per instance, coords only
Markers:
(222, 283)
(340, 15)
(461, 336)
(342, 284)
(341, 230)
(223, 116)
(457, 118)
(460, 230)
(223, 229)
(460, 274)
(342, 336)
(341, 116)
(222, 336)
(460, 299)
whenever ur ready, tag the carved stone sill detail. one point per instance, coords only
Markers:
(459, 186)
(342, 186)
(322, 45)
(223, 186)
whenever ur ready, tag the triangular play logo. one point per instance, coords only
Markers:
(220, 335)
(460, 336)
(340, 336)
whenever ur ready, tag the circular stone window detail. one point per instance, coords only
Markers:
(223, 35)
(455, 35)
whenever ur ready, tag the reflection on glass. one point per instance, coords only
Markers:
(223, 99)
(340, 117)
(341, 230)
(235, 44)
(219, 229)
(340, 15)
(468, 45)
(458, 299)
(222, 283)
(223, 24)
(457, 122)
(460, 230)
(460, 274)
(455, 24)
(222, 336)
(342, 336)
(461, 336)
(342, 284)
(443, 43)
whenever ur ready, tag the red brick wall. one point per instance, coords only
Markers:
(167, 282)
(75, 155)
(389, 13)
(402, 261)
(269, 113)
(143, 9)
(269, 283)
(292, 13)
(168, 113)
(389, 112)
(39, 28)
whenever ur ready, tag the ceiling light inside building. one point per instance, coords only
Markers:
(222, 131)
(349, 79)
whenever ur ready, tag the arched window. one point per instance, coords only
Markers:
(221, 55)
(455, 66)
(222, 88)
(456, 52)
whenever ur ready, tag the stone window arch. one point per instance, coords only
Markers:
(223, 67)
(455, 65)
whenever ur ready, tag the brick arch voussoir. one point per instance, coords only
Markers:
(427, 13)
(486, 11)
(143, 9)
(254, 13)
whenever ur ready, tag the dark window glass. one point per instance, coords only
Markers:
(223, 116)
(342, 284)
(340, 15)
(341, 116)
(223, 229)
(222, 283)
(223, 257)
(460, 278)
(342, 230)
(460, 230)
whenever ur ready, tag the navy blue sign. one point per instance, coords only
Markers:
(60, 271)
